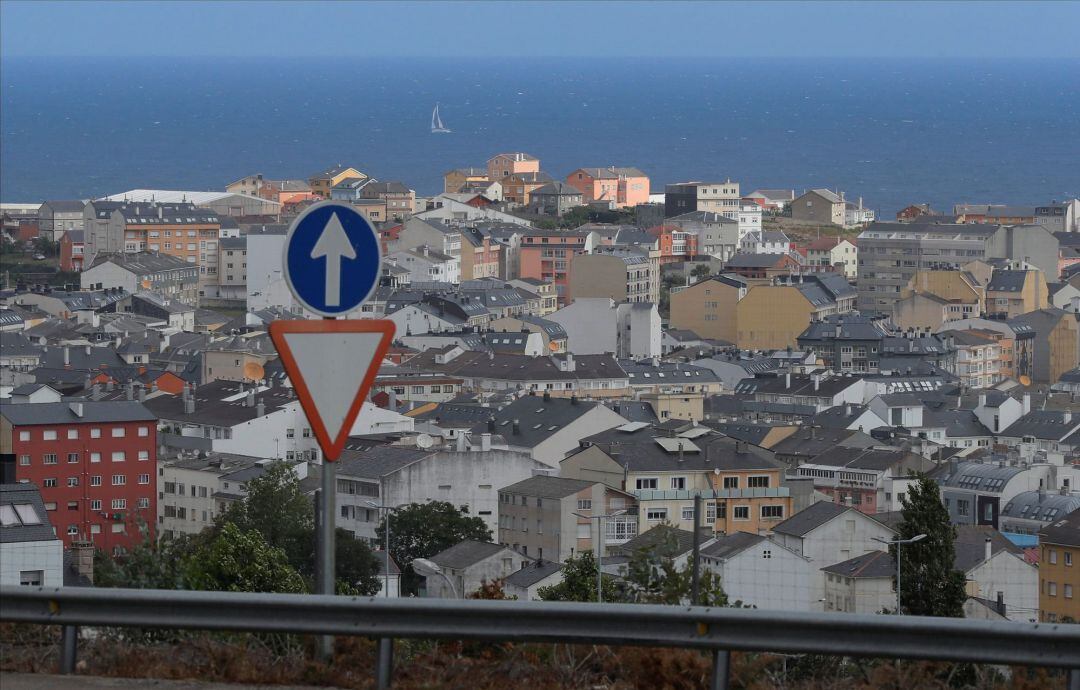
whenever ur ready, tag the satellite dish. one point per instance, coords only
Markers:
(553, 346)
(253, 371)
(716, 471)
(1025, 380)
(424, 441)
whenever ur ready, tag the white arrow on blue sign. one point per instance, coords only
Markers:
(332, 258)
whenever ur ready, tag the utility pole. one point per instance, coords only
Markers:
(695, 576)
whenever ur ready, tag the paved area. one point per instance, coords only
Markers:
(41, 681)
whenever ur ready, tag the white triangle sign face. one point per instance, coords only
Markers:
(332, 365)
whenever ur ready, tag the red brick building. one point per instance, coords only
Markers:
(95, 463)
(548, 255)
(72, 246)
(676, 244)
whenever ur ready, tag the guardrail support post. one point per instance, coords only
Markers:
(1074, 679)
(384, 663)
(721, 669)
(69, 642)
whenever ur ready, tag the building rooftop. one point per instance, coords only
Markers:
(547, 487)
(466, 553)
(809, 519)
(23, 517)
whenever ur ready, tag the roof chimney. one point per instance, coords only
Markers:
(76, 408)
(517, 427)
(142, 393)
(989, 549)
(787, 380)
(260, 408)
(249, 400)
(67, 357)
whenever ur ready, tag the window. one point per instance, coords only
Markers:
(24, 435)
(119, 479)
(584, 504)
(31, 578)
(144, 479)
(95, 504)
(772, 512)
(731, 482)
(73, 458)
(118, 432)
(119, 503)
(95, 457)
(1053, 556)
(49, 458)
(742, 513)
(144, 431)
(48, 435)
(95, 480)
(73, 530)
(290, 433)
(24, 460)
(118, 456)
(72, 433)
(688, 513)
(767, 553)
(962, 506)
(95, 433)
(73, 481)
(655, 514)
(1068, 558)
(761, 482)
(307, 432)
(1051, 588)
(646, 483)
(678, 483)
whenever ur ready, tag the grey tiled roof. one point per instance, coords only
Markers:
(532, 573)
(466, 553)
(729, 545)
(809, 519)
(1065, 531)
(547, 487)
(873, 564)
(538, 419)
(18, 494)
(62, 413)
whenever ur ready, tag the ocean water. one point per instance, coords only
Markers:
(893, 132)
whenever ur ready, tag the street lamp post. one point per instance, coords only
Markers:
(600, 548)
(386, 546)
(899, 543)
(427, 568)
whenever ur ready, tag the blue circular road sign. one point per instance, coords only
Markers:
(332, 258)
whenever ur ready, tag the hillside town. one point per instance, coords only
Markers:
(587, 363)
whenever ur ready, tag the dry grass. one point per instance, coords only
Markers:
(272, 660)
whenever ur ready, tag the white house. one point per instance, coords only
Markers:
(30, 553)
(525, 583)
(863, 584)
(425, 264)
(599, 325)
(828, 533)
(995, 570)
(468, 565)
(765, 242)
(761, 572)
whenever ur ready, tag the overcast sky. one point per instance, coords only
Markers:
(494, 31)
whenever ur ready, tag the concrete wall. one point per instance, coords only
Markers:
(46, 556)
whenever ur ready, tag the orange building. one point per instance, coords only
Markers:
(620, 186)
(505, 164)
(676, 243)
(518, 187)
(548, 255)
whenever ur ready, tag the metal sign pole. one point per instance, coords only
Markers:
(327, 541)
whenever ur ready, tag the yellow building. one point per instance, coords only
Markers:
(666, 465)
(1012, 292)
(708, 307)
(454, 180)
(321, 183)
(1059, 570)
(771, 317)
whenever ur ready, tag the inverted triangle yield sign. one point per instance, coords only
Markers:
(332, 364)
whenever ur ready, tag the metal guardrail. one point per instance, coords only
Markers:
(719, 629)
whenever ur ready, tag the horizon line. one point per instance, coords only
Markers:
(563, 56)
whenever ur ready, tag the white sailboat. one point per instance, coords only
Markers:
(437, 126)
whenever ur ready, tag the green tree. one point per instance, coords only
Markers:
(356, 565)
(579, 582)
(239, 561)
(46, 246)
(421, 530)
(700, 271)
(277, 509)
(149, 564)
(931, 584)
(652, 577)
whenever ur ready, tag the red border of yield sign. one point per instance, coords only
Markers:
(278, 329)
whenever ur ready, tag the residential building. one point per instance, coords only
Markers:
(427, 264)
(1012, 292)
(621, 274)
(195, 488)
(766, 242)
(56, 218)
(163, 273)
(978, 358)
(771, 199)
(441, 237)
(470, 565)
(549, 255)
(503, 165)
(863, 584)
(1047, 344)
(543, 515)
(1029, 512)
(975, 492)
(1059, 558)
(454, 180)
(481, 257)
(219, 203)
(30, 552)
(601, 325)
(322, 182)
(776, 316)
(833, 253)
(554, 199)
(232, 269)
(72, 251)
(716, 234)
(676, 244)
(760, 572)
(525, 584)
(708, 307)
(94, 462)
(819, 206)
(762, 266)
(665, 465)
(518, 187)
(995, 569)
(855, 214)
(399, 199)
(717, 197)
(618, 186)
(828, 533)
